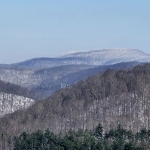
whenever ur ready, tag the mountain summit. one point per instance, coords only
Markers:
(93, 57)
(109, 56)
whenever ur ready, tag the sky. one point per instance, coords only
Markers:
(49, 28)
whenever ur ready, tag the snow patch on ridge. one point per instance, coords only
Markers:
(10, 103)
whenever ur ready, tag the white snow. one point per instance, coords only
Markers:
(10, 103)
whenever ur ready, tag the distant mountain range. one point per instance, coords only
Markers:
(47, 75)
(44, 76)
(95, 57)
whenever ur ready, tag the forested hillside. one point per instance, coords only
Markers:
(110, 98)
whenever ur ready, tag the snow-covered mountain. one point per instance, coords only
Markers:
(94, 57)
(11, 102)
(109, 56)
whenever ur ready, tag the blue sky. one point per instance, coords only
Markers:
(48, 28)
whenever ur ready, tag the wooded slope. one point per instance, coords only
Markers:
(109, 98)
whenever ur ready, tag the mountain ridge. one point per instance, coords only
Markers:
(94, 57)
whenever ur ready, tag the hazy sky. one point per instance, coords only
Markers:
(48, 28)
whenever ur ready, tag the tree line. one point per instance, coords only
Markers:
(114, 139)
